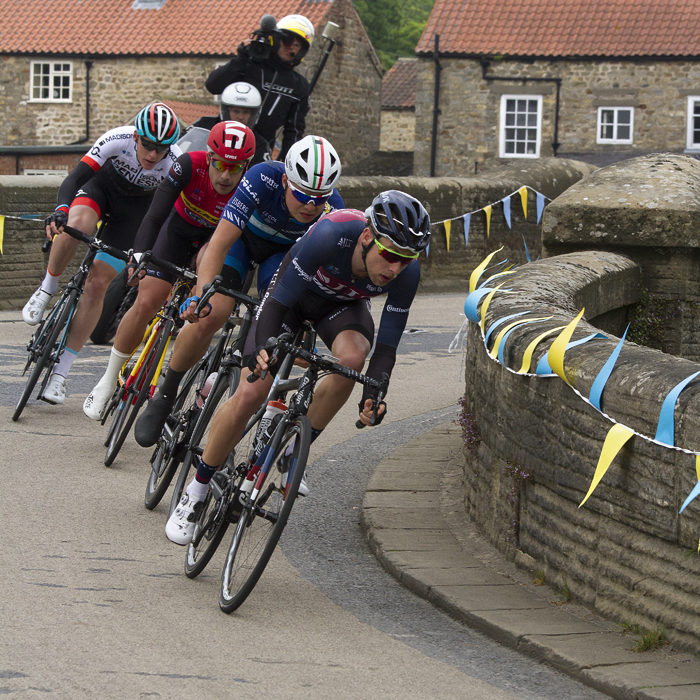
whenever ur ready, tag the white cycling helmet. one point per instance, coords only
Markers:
(242, 96)
(313, 164)
(299, 27)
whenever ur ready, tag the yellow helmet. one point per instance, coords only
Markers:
(297, 27)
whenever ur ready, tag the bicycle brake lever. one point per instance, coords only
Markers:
(252, 377)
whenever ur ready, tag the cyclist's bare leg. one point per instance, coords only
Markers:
(152, 293)
(195, 338)
(351, 348)
(230, 420)
(63, 249)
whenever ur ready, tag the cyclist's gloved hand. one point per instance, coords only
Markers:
(188, 302)
(366, 410)
(253, 360)
(59, 217)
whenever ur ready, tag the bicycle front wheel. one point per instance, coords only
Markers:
(261, 524)
(55, 324)
(134, 398)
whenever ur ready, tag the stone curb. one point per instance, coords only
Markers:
(416, 526)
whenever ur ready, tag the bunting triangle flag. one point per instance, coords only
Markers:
(506, 210)
(467, 222)
(523, 198)
(448, 228)
(2, 232)
(540, 206)
(556, 352)
(487, 211)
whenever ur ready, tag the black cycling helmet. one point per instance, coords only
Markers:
(401, 218)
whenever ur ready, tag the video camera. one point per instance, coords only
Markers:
(264, 41)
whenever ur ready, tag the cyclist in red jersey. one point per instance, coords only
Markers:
(182, 218)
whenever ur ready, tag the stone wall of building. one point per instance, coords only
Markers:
(398, 130)
(468, 125)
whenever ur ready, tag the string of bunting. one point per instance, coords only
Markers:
(23, 217)
(552, 364)
(540, 201)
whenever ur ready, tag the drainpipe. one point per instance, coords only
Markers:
(555, 144)
(436, 105)
(88, 65)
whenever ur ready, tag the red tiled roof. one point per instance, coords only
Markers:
(111, 27)
(399, 85)
(189, 112)
(565, 28)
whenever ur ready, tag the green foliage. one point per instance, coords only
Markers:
(394, 26)
(539, 578)
(650, 640)
(564, 590)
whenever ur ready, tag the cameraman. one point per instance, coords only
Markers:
(268, 62)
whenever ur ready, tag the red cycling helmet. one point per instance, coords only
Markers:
(233, 142)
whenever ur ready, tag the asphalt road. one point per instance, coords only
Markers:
(94, 602)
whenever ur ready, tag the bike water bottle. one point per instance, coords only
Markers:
(268, 423)
(202, 395)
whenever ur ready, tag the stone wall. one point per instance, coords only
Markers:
(626, 553)
(469, 106)
(398, 130)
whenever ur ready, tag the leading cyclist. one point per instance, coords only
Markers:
(328, 278)
(274, 206)
(185, 210)
(115, 181)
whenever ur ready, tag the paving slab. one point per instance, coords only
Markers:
(418, 530)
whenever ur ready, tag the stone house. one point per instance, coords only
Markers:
(529, 78)
(399, 106)
(112, 57)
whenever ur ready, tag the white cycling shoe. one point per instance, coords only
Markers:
(97, 399)
(34, 309)
(303, 486)
(55, 392)
(180, 526)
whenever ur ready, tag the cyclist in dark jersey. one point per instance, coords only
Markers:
(274, 205)
(184, 213)
(328, 278)
(115, 182)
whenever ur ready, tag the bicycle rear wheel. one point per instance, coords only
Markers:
(220, 394)
(54, 325)
(136, 395)
(167, 455)
(260, 526)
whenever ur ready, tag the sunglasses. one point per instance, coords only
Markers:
(304, 198)
(152, 146)
(391, 256)
(288, 40)
(234, 168)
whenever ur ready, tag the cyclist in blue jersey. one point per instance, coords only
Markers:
(328, 278)
(273, 206)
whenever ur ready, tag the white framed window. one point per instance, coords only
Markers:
(521, 126)
(615, 125)
(51, 81)
(693, 138)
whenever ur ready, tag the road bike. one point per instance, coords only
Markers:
(257, 485)
(205, 387)
(49, 340)
(137, 379)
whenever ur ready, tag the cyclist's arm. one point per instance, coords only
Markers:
(164, 200)
(224, 236)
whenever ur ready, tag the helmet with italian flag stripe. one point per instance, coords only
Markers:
(232, 141)
(313, 164)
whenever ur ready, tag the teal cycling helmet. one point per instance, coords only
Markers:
(158, 123)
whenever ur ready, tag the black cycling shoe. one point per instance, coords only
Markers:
(149, 424)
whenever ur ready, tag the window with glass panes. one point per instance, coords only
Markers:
(521, 125)
(51, 82)
(693, 142)
(615, 124)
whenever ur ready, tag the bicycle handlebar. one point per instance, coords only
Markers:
(148, 257)
(214, 287)
(97, 244)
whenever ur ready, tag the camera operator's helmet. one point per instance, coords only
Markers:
(158, 123)
(400, 218)
(242, 95)
(233, 142)
(313, 164)
(297, 27)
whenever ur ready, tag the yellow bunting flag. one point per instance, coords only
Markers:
(474, 277)
(617, 436)
(448, 226)
(514, 324)
(558, 348)
(523, 198)
(485, 305)
(2, 232)
(527, 357)
(487, 211)
(697, 466)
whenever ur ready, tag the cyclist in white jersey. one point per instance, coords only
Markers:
(113, 182)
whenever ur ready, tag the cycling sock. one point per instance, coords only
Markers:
(204, 472)
(315, 432)
(116, 360)
(197, 490)
(50, 283)
(171, 383)
(66, 362)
